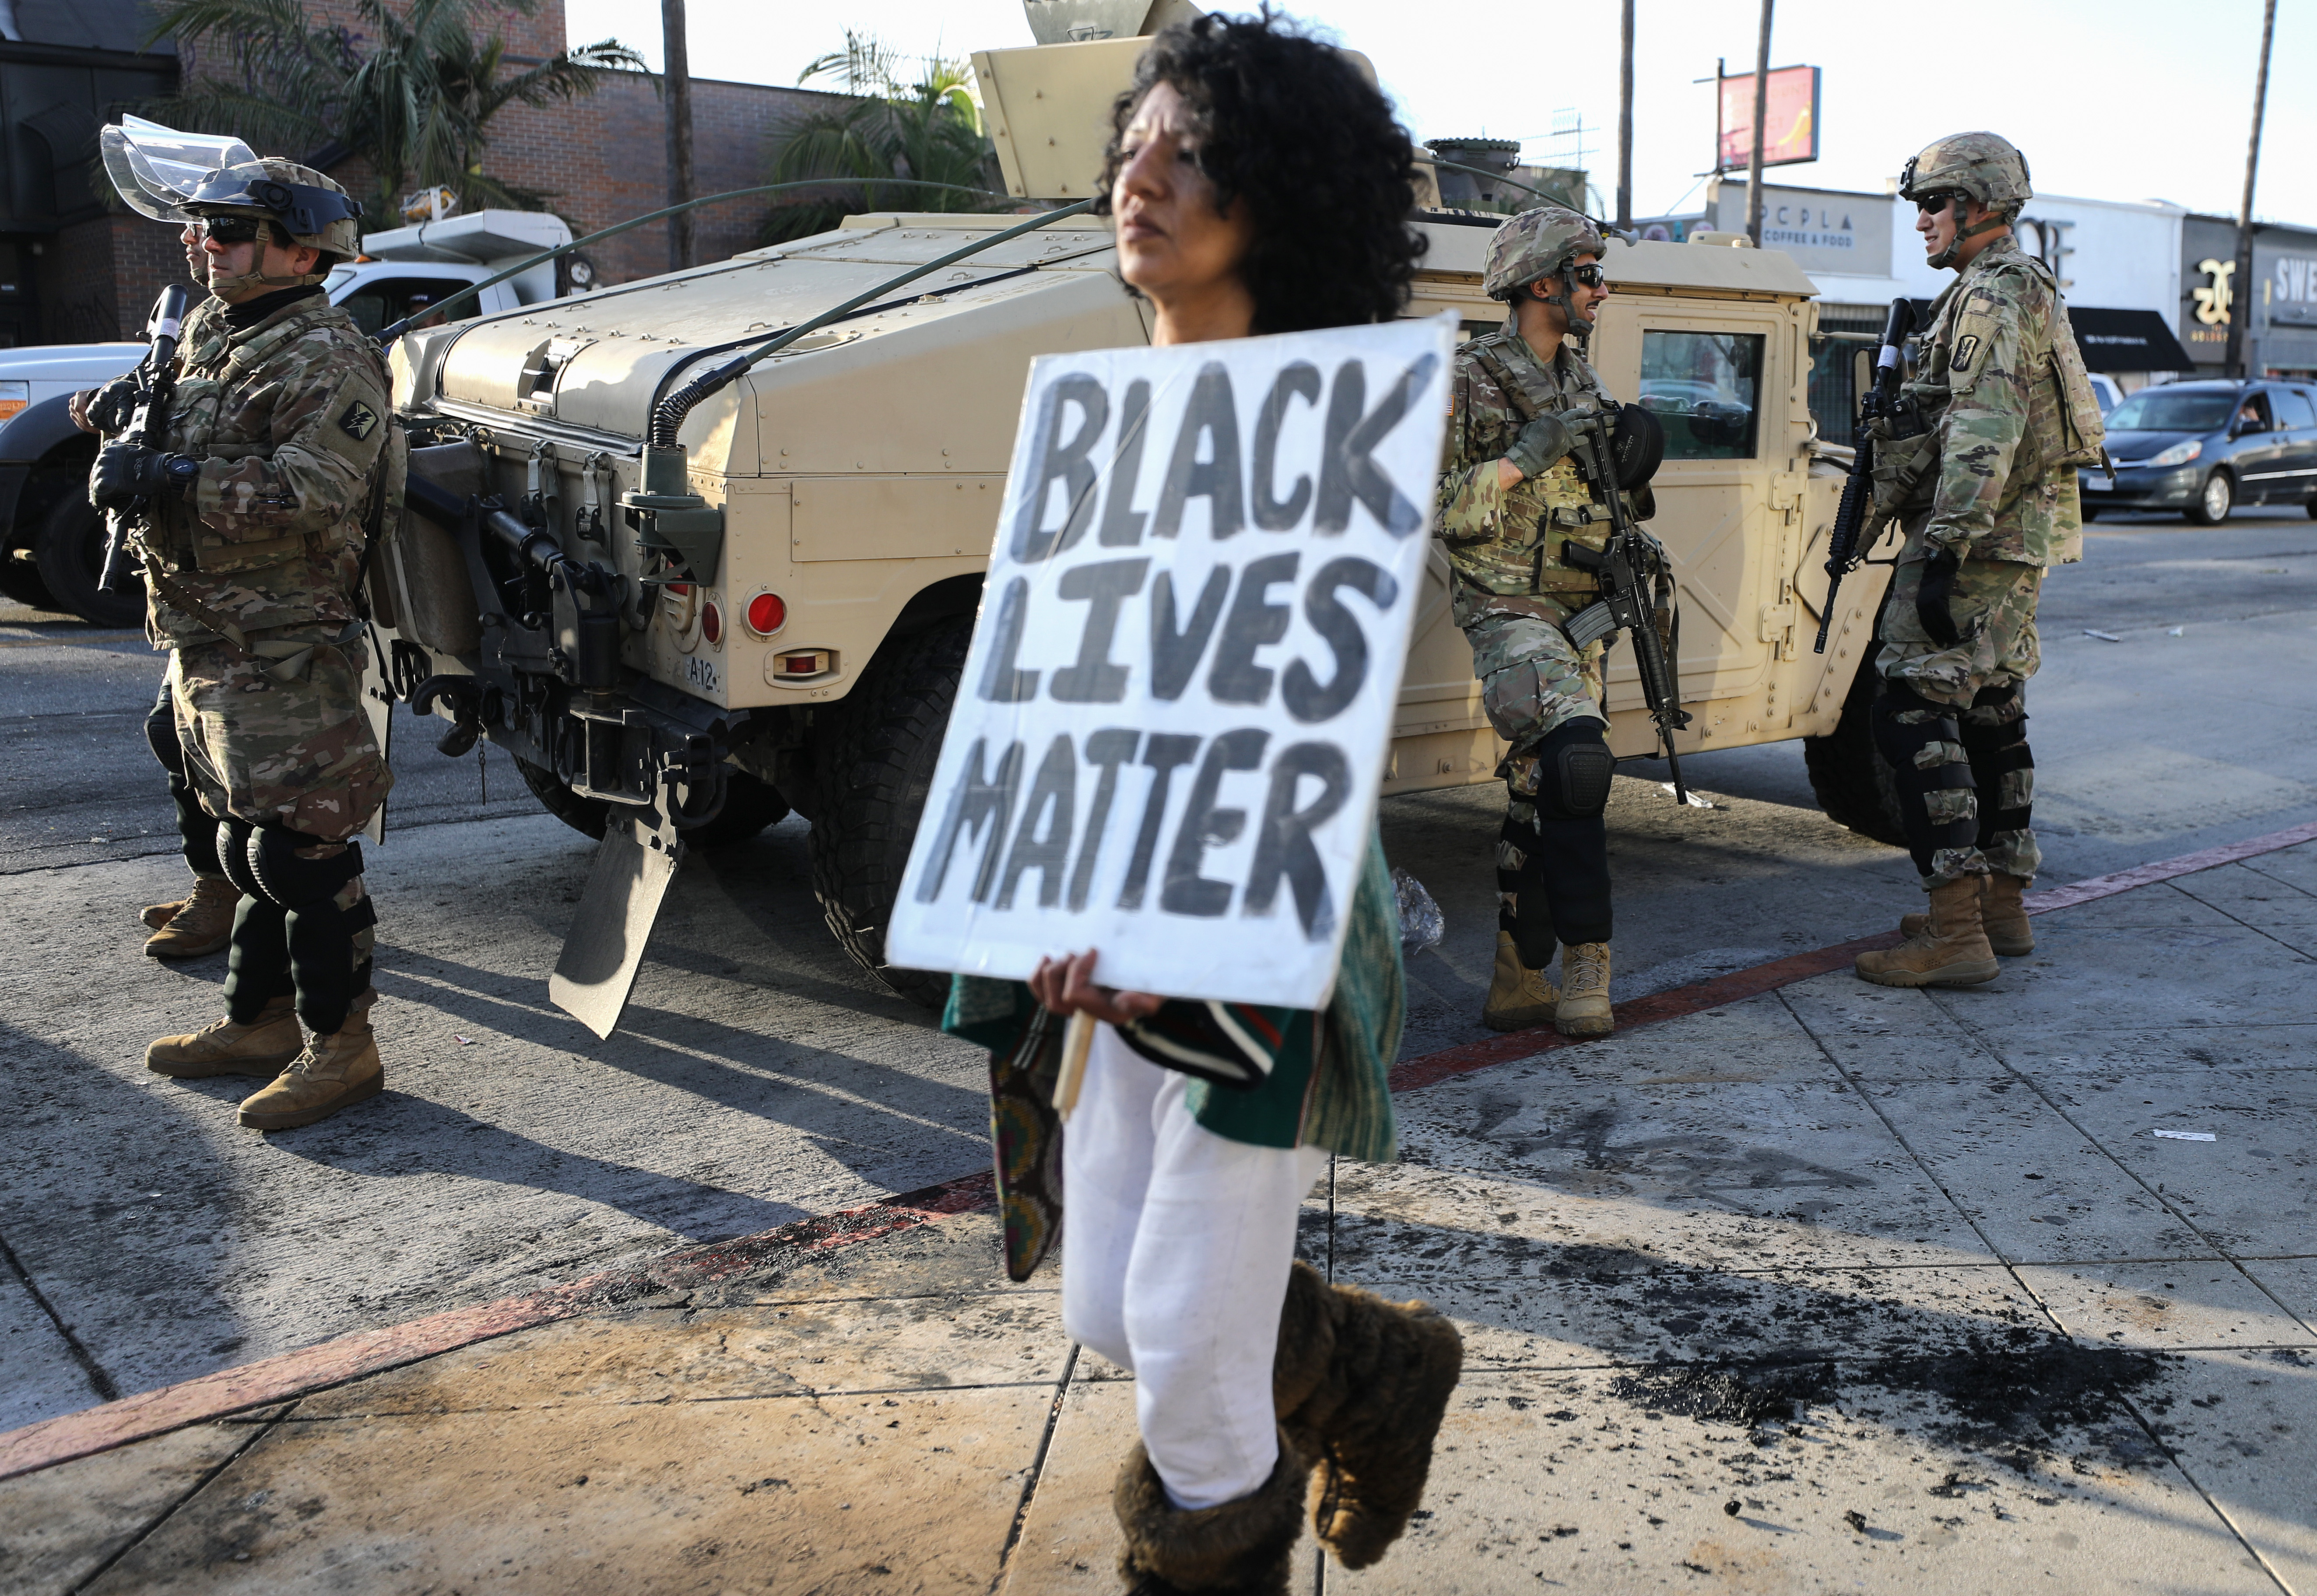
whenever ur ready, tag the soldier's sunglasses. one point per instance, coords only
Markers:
(1932, 204)
(1590, 275)
(237, 229)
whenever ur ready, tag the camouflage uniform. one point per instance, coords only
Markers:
(1992, 493)
(251, 576)
(1512, 590)
(289, 419)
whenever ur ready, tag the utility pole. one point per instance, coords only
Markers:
(679, 132)
(1761, 115)
(1625, 127)
(2240, 315)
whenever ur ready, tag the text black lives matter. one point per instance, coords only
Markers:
(1016, 818)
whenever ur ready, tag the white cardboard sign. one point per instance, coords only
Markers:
(1178, 706)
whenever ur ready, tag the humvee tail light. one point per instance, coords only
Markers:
(802, 664)
(767, 613)
(14, 397)
(711, 622)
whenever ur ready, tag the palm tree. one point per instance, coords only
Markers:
(412, 96)
(929, 131)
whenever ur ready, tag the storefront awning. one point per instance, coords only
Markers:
(2127, 340)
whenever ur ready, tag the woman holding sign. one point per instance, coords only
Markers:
(1260, 186)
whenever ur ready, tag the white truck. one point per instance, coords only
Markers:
(52, 542)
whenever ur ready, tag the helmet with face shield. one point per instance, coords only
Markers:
(185, 177)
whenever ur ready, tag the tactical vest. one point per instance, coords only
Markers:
(1542, 512)
(205, 585)
(2063, 429)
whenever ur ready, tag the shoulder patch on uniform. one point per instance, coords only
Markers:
(1966, 350)
(359, 421)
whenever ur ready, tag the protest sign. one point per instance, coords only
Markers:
(1178, 705)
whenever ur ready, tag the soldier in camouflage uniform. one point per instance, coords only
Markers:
(1513, 492)
(250, 520)
(1980, 468)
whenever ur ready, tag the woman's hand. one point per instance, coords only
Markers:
(1066, 986)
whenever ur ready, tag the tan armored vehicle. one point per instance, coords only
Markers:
(684, 619)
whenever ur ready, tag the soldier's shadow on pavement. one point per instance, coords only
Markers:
(400, 1133)
(835, 1100)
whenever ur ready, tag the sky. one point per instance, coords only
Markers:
(2110, 99)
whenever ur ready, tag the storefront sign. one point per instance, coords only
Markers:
(1176, 709)
(1824, 231)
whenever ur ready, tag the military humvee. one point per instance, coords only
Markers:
(675, 670)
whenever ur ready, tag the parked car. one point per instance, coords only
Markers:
(2204, 447)
(2105, 385)
(52, 540)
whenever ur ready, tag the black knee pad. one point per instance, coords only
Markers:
(293, 882)
(1563, 885)
(1995, 736)
(232, 845)
(1907, 727)
(1905, 722)
(196, 830)
(258, 963)
(320, 945)
(1993, 707)
(1573, 769)
(161, 735)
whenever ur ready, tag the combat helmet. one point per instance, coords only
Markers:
(172, 176)
(1984, 167)
(1542, 243)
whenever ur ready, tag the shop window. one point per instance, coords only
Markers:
(1706, 388)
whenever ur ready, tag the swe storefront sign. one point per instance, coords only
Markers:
(1178, 705)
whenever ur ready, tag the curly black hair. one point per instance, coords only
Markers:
(1289, 126)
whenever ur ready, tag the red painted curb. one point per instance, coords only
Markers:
(1414, 1074)
(350, 1357)
(228, 1391)
(2166, 870)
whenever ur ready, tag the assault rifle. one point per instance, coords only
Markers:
(1880, 399)
(1636, 584)
(149, 424)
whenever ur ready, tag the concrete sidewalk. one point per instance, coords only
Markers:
(1826, 1287)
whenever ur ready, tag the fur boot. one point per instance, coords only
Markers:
(1362, 1386)
(1236, 1548)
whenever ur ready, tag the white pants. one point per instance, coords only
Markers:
(1176, 1248)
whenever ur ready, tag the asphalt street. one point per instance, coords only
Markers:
(760, 1077)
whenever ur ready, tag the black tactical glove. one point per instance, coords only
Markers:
(1540, 443)
(127, 472)
(109, 408)
(1933, 595)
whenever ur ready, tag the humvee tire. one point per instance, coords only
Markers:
(750, 807)
(877, 754)
(70, 550)
(585, 816)
(1852, 781)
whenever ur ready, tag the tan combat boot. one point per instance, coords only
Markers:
(202, 924)
(1584, 1009)
(1518, 997)
(335, 1072)
(2002, 915)
(262, 1048)
(1950, 951)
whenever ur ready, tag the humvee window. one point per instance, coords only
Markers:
(1706, 387)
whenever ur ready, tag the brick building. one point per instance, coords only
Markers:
(605, 158)
(74, 268)
(70, 270)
